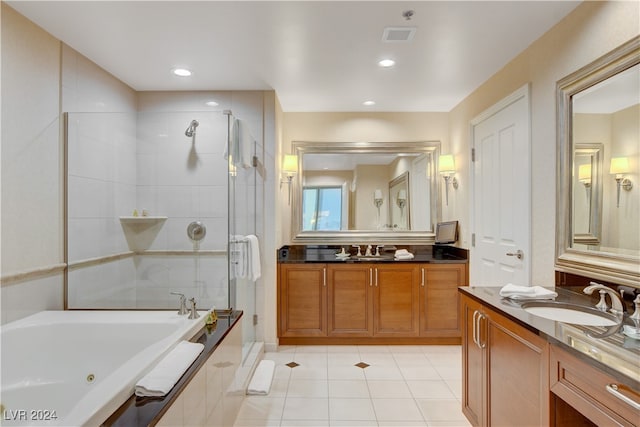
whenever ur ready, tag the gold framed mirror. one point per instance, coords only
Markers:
(600, 102)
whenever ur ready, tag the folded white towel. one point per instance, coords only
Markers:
(526, 292)
(253, 264)
(262, 377)
(161, 379)
(401, 254)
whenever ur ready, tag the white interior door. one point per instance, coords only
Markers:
(501, 217)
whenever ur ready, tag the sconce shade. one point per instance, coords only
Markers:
(619, 165)
(584, 172)
(377, 194)
(446, 164)
(402, 195)
(290, 164)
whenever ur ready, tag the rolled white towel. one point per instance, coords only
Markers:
(161, 379)
(526, 292)
(262, 377)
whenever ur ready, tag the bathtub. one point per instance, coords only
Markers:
(75, 368)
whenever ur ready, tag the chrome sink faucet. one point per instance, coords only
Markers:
(357, 246)
(616, 304)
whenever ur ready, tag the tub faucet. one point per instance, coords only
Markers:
(616, 304)
(183, 303)
(194, 314)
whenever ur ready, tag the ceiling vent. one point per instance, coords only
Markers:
(398, 34)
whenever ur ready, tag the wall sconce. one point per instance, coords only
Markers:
(289, 169)
(377, 201)
(447, 167)
(620, 166)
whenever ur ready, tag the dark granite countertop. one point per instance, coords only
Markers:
(137, 411)
(616, 354)
(327, 253)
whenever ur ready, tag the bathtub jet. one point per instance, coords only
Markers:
(191, 130)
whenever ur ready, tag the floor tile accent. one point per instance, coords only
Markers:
(366, 386)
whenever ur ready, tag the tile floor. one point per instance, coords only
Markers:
(392, 386)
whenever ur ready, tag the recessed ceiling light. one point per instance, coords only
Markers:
(369, 103)
(386, 63)
(181, 72)
(212, 103)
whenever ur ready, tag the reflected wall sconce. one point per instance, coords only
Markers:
(447, 167)
(289, 170)
(378, 200)
(620, 166)
(584, 175)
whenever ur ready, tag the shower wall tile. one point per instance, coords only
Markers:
(204, 279)
(25, 298)
(108, 285)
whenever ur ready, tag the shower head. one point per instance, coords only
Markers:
(191, 130)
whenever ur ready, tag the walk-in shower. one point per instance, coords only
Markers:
(121, 164)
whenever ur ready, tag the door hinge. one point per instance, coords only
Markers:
(473, 239)
(473, 154)
(255, 319)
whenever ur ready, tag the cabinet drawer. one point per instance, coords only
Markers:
(584, 387)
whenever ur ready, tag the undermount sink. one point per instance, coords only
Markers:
(570, 313)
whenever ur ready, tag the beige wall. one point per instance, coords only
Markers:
(591, 30)
(31, 196)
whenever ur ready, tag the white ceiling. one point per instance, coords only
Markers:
(317, 56)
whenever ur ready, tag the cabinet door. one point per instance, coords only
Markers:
(473, 395)
(303, 296)
(439, 299)
(517, 374)
(350, 303)
(396, 303)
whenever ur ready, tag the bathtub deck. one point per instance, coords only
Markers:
(147, 411)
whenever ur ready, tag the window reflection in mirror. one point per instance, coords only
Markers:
(322, 208)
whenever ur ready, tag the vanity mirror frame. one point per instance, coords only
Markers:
(300, 148)
(606, 266)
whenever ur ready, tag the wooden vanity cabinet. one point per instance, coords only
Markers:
(591, 392)
(439, 299)
(391, 302)
(396, 304)
(350, 300)
(505, 369)
(302, 297)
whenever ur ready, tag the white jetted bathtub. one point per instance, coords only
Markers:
(75, 368)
